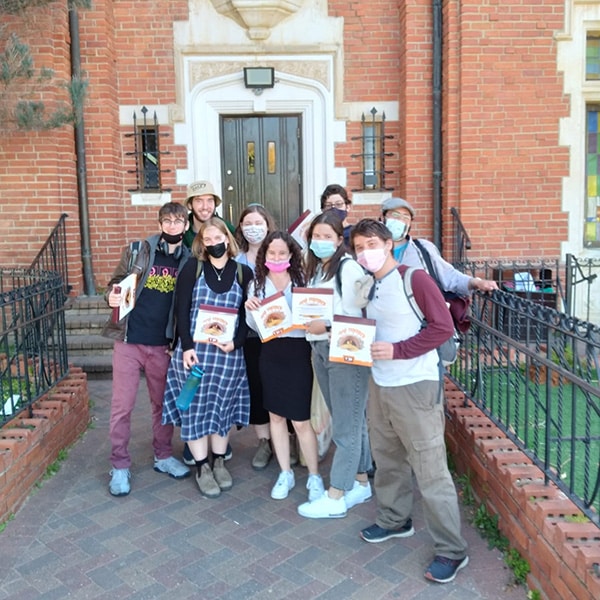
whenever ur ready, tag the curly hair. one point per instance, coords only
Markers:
(311, 261)
(295, 269)
(264, 213)
(333, 189)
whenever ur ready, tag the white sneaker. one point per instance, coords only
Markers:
(358, 494)
(284, 484)
(315, 487)
(323, 508)
(119, 483)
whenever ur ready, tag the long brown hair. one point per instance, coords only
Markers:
(330, 218)
(295, 269)
(264, 213)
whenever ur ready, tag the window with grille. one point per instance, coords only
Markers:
(373, 152)
(146, 137)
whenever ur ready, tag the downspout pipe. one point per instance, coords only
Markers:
(437, 123)
(79, 131)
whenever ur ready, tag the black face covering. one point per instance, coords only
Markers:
(172, 239)
(217, 250)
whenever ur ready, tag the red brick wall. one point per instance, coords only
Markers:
(502, 101)
(29, 446)
(536, 518)
(37, 170)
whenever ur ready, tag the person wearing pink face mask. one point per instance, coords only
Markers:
(405, 410)
(285, 364)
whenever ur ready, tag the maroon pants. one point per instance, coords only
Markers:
(128, 362)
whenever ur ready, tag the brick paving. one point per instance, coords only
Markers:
(73, 540)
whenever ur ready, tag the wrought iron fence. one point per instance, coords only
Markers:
(534, 371)
(460, 241)
(578, 271)
(53, 254)
(33, 345)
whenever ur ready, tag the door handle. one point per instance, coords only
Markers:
(230, 212)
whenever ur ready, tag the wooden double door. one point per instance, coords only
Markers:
(261, 163)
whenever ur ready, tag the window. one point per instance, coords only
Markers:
(147, 155)
(592, 196)
(592, 57)
(373, 152)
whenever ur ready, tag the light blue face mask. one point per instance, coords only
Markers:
(397, 228)
(323, 248)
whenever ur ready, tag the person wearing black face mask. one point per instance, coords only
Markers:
(222, 399)
(142, 339)
(335, 197)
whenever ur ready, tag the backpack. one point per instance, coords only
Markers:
(448, 351)
(458, 305)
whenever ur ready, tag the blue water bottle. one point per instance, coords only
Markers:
(189, 388)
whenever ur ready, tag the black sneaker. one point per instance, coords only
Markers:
(375, 534)
(444, 570)
(187, 458)
(228, 453)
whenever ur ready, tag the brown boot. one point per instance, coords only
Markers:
(221, 474)
(263, 455)
(206, 482)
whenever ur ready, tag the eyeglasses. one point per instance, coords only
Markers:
(398, 215)
(338, 204)
(166, 222)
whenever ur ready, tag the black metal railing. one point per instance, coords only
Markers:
(53, 255)
(578, 271)
(33, 345)
(537, 280)
(534, 371)
(460, 240)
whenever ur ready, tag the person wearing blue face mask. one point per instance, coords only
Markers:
(398, 215)
(344, 386)
(335, 198)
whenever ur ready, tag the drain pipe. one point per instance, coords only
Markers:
(437, 123)
(79, 130)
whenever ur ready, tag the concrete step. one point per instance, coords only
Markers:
(78, 323)
(88, 304)
(97, 366)
(88, 344)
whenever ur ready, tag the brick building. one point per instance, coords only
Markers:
(489, 107)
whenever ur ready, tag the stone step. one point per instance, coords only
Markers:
(85, 323)
(87, 344)
(97, 366)
(88, 304)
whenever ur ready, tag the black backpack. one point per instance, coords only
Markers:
(459, 305)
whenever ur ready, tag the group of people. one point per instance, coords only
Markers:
(391, 414)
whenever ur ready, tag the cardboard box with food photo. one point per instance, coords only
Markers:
(273, 318)
(351, 339)
(127, 286)
(309, 304)
(299, 228)
(215, 324)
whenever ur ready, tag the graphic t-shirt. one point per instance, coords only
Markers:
(148, 320)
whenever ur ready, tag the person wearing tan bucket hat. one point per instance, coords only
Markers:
(202, 201)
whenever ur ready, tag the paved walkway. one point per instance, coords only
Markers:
(73, 540)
